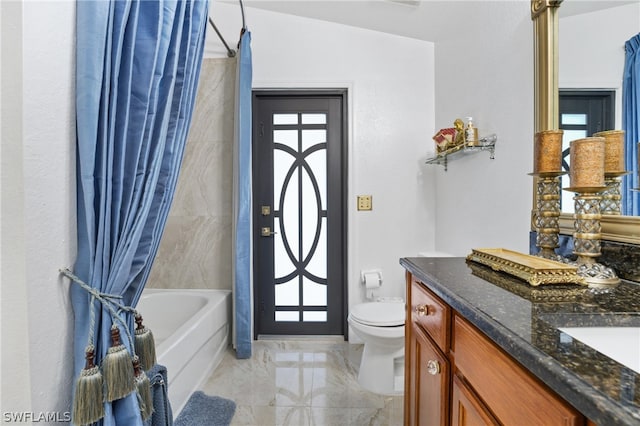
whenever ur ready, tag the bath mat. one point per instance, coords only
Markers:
(205, 410)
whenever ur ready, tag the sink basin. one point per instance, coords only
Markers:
(621, 344)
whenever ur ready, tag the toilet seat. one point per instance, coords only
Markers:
(379, 314)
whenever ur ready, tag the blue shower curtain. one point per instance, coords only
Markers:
(631, 124)
(242, 201)
(138, 63)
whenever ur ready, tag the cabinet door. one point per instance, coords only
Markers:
(466, 410)
(505, 386)
(430, 381)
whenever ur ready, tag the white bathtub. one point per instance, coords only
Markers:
(191, 331)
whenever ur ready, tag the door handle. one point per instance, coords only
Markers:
(433, 367)
(267, 232)
(422, 310)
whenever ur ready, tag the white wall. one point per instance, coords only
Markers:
(592, 50)
(391, 108)
(39, 216)
(482, 202)
(50, 193)
(14, 347)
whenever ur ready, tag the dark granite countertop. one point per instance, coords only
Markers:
(524, 321)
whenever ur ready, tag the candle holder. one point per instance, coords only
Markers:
(586, 238)
(612, 195)
(548, 214)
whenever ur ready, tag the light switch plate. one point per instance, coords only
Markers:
(365, 202)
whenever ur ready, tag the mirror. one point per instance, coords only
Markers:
(590, 70)
(545, 16)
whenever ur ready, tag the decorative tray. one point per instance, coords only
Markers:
(532, 269)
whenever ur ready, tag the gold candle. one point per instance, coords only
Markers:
(587, 163)
(613, 151)
(547, 151)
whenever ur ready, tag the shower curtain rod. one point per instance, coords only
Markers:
(230, 52)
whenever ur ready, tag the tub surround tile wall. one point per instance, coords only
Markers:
(195, 251)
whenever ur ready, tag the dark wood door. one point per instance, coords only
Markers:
(299, 181)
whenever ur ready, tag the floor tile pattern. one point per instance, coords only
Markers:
(301, 383)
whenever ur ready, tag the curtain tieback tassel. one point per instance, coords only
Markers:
(144, 344)
(143, 388)
(88, 401)
(117, 369)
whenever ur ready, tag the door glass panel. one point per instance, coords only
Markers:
(302, 194)
(282, 264)
(298, 249)
(318, 264)
(290, 215)
(314, 118)
(314, 316)
(287, 293)
(282, 163)
(314, 294)
(286, 137)
(570, 135)
(566, 201)
(318, 163)
(284, 119)
(310, 223)
(287, 316)
(574, 119)
(313, 137)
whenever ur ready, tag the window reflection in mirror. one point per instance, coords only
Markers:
(582, 113)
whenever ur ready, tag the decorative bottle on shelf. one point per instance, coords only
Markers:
(471, 133)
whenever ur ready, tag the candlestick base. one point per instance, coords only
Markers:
(587, 241)
(612, 196)
(548, 214)
(597, 275)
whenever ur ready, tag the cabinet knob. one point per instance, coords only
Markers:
(433, 367)
(422, 310)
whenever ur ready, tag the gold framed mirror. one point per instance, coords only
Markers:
(544, 14)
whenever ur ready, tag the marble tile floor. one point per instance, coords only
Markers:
(301, 383)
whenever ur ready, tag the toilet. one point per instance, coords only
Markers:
(380, 325)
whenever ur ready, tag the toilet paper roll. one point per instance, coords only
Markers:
(372, 280)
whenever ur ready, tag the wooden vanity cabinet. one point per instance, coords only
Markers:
(427, 367)
(509, 390)
(456, 375)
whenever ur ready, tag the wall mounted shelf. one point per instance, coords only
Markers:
(487, 143)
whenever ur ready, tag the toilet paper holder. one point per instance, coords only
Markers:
(371, 278)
